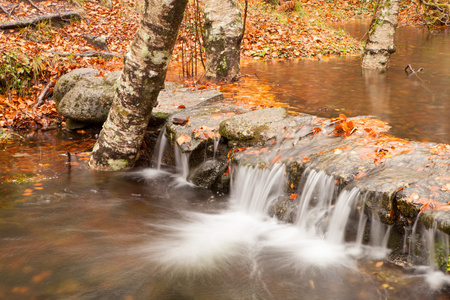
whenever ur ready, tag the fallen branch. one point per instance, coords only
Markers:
(91, 53)
(43, 94)
(63, 17)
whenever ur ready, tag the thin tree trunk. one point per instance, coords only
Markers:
(222, 39)
(380, 42)
(138, 88)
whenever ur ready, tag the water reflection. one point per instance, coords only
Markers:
(415, 106)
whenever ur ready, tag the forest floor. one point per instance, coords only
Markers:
(34, 57)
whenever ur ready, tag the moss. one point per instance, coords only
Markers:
(117, 164)
(160, 57)
(145, 53)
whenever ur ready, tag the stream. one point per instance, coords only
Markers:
(67, 232)
(415, 106)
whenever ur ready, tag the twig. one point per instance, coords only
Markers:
(4, 9)
(43, 94)
(35, 6)
(245, 20)
(12, 11)
(198, 24)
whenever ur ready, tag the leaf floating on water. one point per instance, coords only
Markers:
(41, 276)
(27, 192)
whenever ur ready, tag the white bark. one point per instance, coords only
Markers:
(223, 35)
(138, 88)
(380, 43)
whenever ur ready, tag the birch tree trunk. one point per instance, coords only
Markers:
(380, 42)
(223, 36)
(142, 78)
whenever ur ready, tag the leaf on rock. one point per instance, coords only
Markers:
(184, 138)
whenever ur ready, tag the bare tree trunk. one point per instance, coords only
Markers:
(138, 88)
(222, 39)
(380, 43)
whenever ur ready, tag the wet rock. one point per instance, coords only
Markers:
(207, 173)
(382, 186)
(203, 125)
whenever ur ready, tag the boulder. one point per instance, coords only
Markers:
(84, 97)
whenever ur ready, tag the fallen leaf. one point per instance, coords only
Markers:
(184, 138)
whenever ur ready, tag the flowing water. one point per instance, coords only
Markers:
(72, 233)
(415, 106)
(67, 232)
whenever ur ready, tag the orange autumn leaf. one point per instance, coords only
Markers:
(361, 174)
(293, 196)
(41, 276)
(27, 192)
(276, 158)
(184, 138)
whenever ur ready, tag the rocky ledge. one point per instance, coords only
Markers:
(398, 180)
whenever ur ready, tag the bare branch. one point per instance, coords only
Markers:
(43, 94)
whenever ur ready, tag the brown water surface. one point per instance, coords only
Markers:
(416, 106)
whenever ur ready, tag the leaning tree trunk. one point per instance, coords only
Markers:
(380, 42)
(138, 88)
(223, 36)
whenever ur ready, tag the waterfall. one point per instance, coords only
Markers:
(181, 162)
(318, 188)
(341, 213)
(254, 189)
(159, 148)
(216, 145)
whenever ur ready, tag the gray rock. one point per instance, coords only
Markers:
(88, 98)
(252, 125)
(96, 41)
(207, 173)
(85, 98)
(69, 80)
